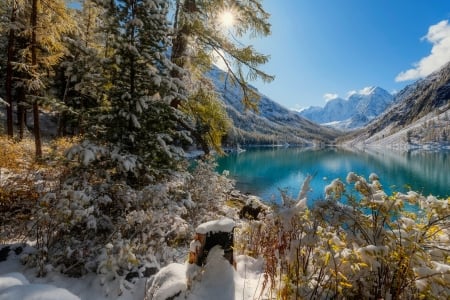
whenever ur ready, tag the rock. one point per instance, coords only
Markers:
(4, 252)
(250, 212)
(147, 273)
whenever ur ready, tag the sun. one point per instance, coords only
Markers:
(227, 18)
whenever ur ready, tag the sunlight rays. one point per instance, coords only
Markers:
(227, 18)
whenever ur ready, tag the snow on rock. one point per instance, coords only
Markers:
(169, 282)
(222, 225)
(16, 286)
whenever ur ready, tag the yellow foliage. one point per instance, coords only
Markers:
(205, 107)
(15, 156)
(19, 172)
(367, 248)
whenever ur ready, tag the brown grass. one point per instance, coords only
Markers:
(23, 180)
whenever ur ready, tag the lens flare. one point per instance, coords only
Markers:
(227, 18)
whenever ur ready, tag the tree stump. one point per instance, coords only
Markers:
(209, 234)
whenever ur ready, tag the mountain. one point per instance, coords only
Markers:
(273, 124)
(355, 112)
(419, 117)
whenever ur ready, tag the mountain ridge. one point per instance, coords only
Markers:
(274, 124)
(351, 113)
(419, 117)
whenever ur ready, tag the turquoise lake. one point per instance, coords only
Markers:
(263, 171)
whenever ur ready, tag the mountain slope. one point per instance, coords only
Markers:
(420, 116)
(273, 124)
(355, 112)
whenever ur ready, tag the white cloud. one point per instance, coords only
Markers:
(439, 36)
(329, 96)
(351, 93)
(366, 91)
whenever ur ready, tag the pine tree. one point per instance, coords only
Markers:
(80, 82)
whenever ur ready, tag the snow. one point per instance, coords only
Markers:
(36, 292)
(384, 139)
(353, 112)
(217, 280)
(20, 282)
(15, 285)
(169, 281)
(12, 279)
(222, 225)
(367, 90)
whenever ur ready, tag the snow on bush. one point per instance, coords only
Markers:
(95, 221)
(368, 248)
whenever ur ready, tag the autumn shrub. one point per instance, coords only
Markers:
(366, 247)
(23, 180)
(15, 155)
(18, 191)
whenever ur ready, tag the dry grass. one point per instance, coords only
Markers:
(23, 180)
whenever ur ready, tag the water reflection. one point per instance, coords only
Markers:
(264, 171)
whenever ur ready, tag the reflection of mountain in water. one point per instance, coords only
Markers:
(424, 169)
(263, 171)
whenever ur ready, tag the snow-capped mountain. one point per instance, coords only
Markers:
(419, 117)
(354, 112)
(273, 124)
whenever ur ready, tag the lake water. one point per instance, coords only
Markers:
(263, 171)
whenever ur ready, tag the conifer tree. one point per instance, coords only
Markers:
(79, 79)
(9, 70)
(200, 38)
(138, 85)
(41, 26)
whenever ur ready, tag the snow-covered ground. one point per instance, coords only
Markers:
(20, 282)
(221, 281)
(398, 140)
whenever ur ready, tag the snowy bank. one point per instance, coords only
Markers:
(15, 286)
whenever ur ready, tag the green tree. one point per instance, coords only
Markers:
(137, 87)
(211, 117)
(200, 39)
(80, 82)
(41, 26)
(9, 70)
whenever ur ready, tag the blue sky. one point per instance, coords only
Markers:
(321, 49)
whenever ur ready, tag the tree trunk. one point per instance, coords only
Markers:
(36, 127)
(9, 75)
(21, 112)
